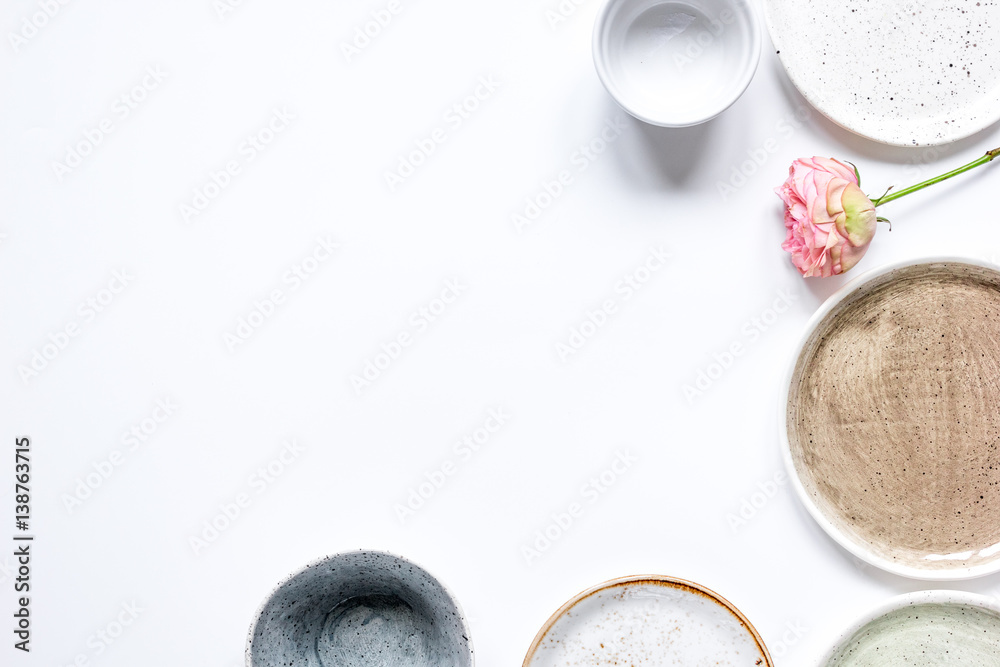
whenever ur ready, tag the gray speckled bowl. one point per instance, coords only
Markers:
(360, 609)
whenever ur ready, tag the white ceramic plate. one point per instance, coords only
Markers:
(648, 620)
(902, 72)
(922, 629)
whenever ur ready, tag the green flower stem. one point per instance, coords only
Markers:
(886, 198)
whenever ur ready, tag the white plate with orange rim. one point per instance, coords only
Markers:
(648, 620)
(901, 72)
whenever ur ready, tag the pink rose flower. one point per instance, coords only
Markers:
(829, 220)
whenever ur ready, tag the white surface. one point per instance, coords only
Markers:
(904, 72)
(669, 510)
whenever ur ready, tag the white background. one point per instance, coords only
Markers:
(164, 335)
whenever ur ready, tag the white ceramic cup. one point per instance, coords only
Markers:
(879, 619)
(676, 63)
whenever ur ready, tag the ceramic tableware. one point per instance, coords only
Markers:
(648, 620)
(890, 422)
(924, 629)
(676, 63)
(360, 609)
(902, 72)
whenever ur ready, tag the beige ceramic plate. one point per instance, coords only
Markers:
(648, 620)
(891, 419)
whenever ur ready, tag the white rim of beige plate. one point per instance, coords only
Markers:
(856, 549)
(323, 559)
(896, 132)
(680, 584)
(903, 601)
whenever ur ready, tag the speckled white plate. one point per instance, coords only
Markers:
(923, 629)
(902, 72)
(648, 620)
